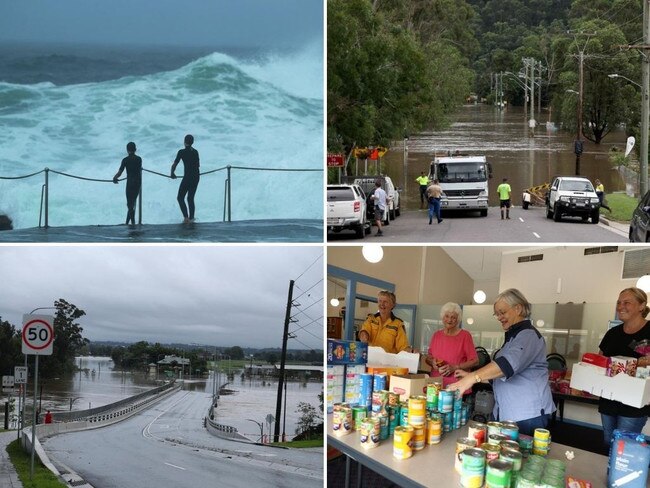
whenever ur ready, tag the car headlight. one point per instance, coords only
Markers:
(564, 199)
(594, 200)
(483, 194)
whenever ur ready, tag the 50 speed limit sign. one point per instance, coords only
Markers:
(38, 334)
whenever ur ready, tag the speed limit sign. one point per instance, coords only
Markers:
(38, 334)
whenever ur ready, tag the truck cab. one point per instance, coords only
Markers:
(464, 182)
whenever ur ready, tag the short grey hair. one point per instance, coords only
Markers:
(451, 307)
(513, 297)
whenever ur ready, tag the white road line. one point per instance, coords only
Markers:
(174, 466)
(536, 235)
(522, 220)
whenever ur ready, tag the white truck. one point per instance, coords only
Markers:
(346, 209)
(464, 181)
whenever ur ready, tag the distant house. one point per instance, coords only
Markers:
(176, 363)
(292, 371)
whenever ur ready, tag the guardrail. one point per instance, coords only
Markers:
(227, 197)
(112, 409)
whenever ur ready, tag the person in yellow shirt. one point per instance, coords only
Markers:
(600, 192)
(504, 191)
(383, 329)
(423, 181)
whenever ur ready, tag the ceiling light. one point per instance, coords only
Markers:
(334, 302)
(644, 283)
(479, 296)
(372, 252)
(470, 321)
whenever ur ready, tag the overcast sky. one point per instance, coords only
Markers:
(227, 23)
(213, 295)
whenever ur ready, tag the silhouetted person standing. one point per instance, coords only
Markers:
(191, 175)
(133, 166)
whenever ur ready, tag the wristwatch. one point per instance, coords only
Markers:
(477, 378)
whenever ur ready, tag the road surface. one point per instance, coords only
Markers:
(167, 446)
(529, 226)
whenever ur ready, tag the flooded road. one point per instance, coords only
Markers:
(97, 385)
(502, 136)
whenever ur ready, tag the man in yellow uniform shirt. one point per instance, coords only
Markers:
(383, 329)
(423, 181)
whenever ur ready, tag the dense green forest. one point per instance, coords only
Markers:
(397, 67)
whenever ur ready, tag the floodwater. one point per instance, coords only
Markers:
(502, 136)
(97, 385)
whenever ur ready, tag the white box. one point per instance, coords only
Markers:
(378, 357)
(623, 388)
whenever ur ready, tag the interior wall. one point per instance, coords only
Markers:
(422, 274)
(565, 275)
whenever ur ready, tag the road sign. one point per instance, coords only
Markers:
(20, 375)
(270, 419)
(335, 160)
(38, 334)
(7, 382)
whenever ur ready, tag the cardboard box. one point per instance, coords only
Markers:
(377, 356)
(346, 352)
(623, 388)
(389, 370)
(411, 385)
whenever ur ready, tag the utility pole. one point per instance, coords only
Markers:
(532, 88)
(285, 337)
(539, 93)
(578, 146)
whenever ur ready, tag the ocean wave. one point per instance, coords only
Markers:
(264, 113)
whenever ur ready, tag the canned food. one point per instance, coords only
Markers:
(496, 439)
(434, 429)
(492, 451)
(342, 421)
(445, 401)
(512, 445)
(513, 457)
(478, 431)
(498, 474)
(510, 429)
(369, 433)
(473, 468)
(358, 414)
(493, 428)
(462, 443)
(417, 410)
(379, 381)
(403, 435)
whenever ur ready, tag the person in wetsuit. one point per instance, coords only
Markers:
(190, 181)
(133, 166)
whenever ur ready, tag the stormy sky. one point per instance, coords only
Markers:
(212, 295)
(225, 23)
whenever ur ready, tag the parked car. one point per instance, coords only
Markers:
(640, 222)
(572, 196)
(346, 209)
(367, 183)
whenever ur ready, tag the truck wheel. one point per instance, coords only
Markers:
(368, 229)
(549, 212)
(557, 216)
(484, 212)
(358, 230)
(595, 217)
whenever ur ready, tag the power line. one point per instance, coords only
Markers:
(320, 256)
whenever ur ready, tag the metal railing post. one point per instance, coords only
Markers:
(47, 197)
(229, 194)
(140, 202)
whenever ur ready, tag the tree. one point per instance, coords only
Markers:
(235, 352)
(10, 347)
(68, 340)
(309, 417)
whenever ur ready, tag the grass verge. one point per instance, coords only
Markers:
(43, 477)
(300, 444)
(622, 207)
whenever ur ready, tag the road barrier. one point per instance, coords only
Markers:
(43, 217)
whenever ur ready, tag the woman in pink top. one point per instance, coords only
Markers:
(451, 347)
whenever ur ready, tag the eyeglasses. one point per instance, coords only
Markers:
(498, 314)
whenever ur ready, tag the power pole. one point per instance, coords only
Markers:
(285, 336)
(539, 93)
(581, 59)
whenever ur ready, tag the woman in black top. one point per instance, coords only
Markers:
(133, 166)
(191, 175)
(632, 309)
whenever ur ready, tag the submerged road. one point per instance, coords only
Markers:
(524, 226)
(272, 230)
(166, 446)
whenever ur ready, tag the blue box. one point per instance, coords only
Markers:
(346, 352)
